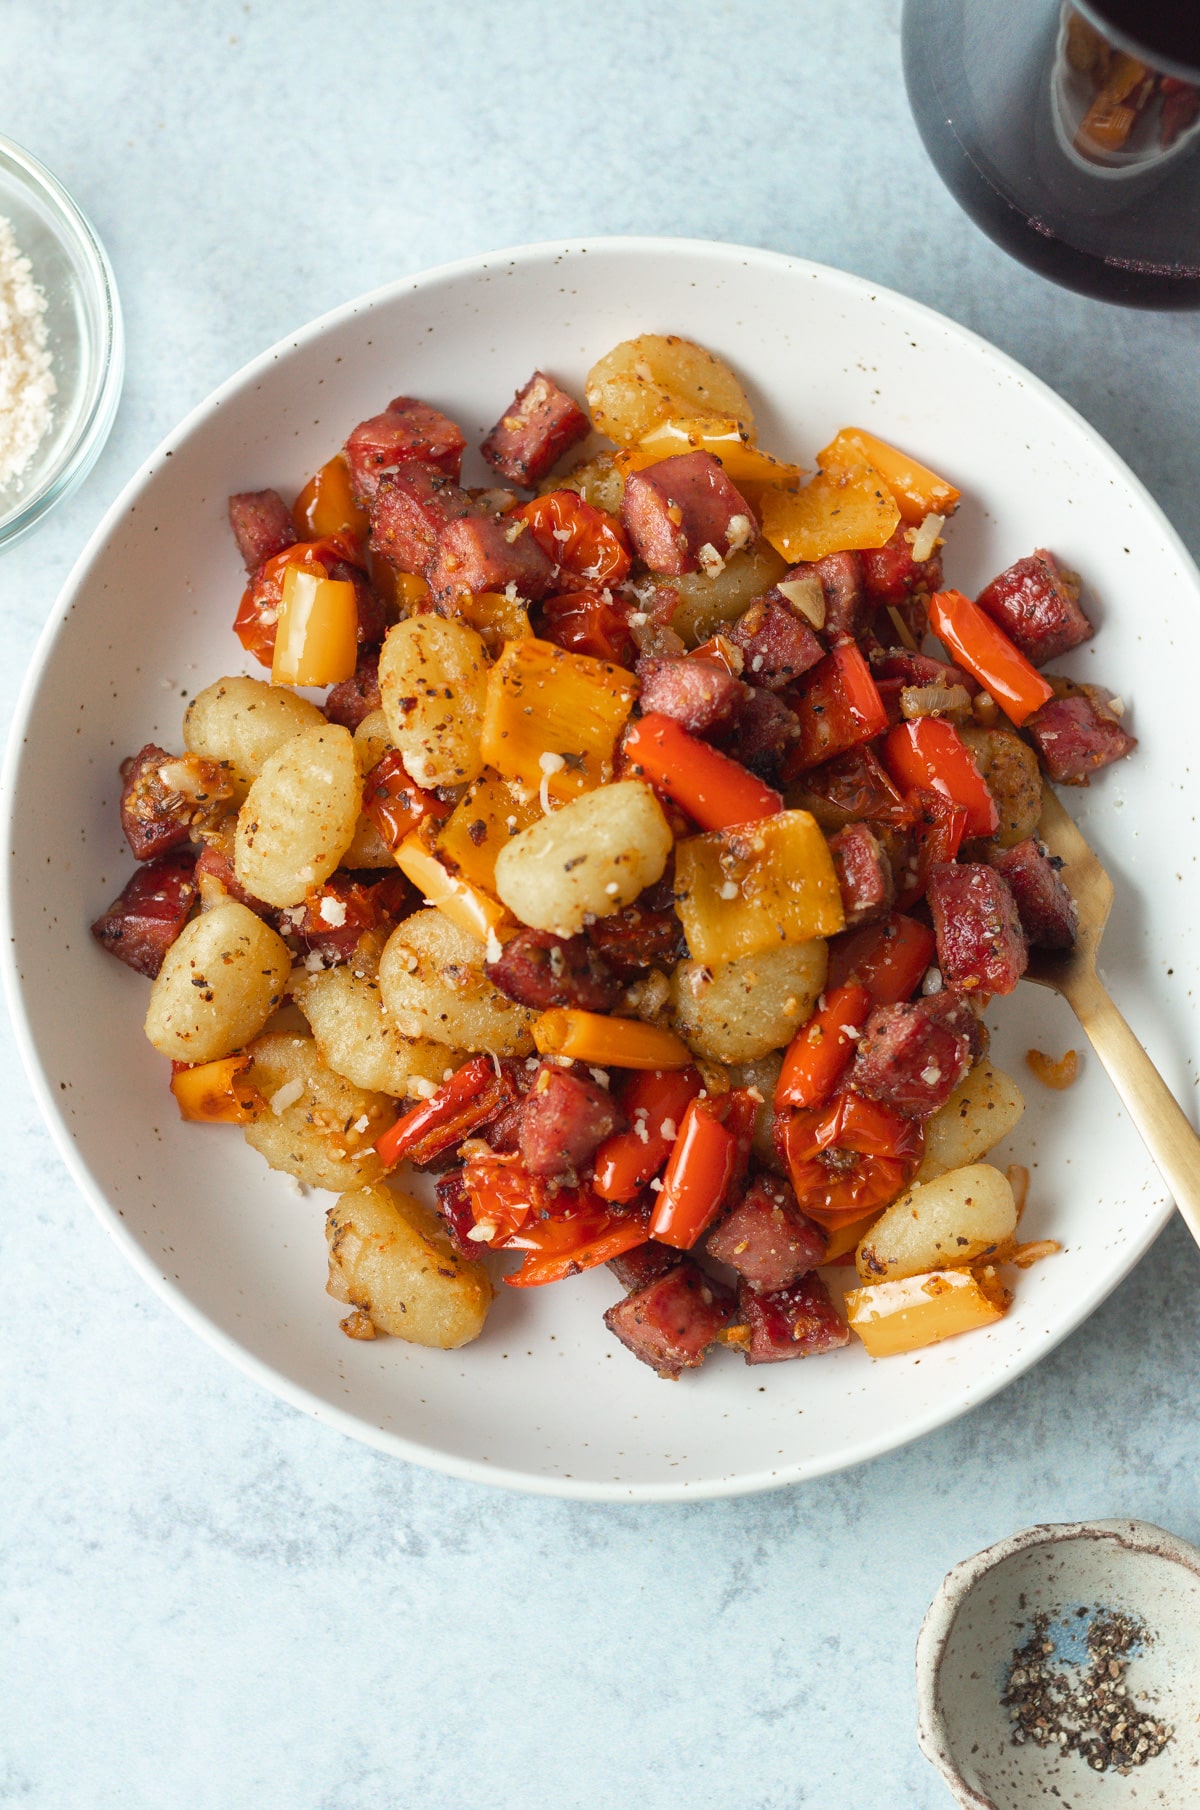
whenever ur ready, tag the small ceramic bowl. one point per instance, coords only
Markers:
(84, 336)
(984, 1611)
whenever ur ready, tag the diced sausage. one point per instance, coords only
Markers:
(868, 885)
(539, 426)
(541, 970)
(486, 553)
(793, 1322)
(140, 926)
(644, 1263)
(409, 511)
(913, 1056)
(262, 525)
(684, 515)
(766, 1238)
(351, 702)
(763, 731)
(157, 812)
(703, 695)
(1077, 734)
(212, 860)
(407, 430)
(670, 1323)
(917, 669)
(980, 942)
(638, 937)
(847, 607)
(1048, 914)
(892, 576)
(1036, 603)
(777, 646)
(454, 1205)
(564, 1119)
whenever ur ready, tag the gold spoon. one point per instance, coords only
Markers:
(1157, 1116)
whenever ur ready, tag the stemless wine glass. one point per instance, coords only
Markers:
(1068, 130)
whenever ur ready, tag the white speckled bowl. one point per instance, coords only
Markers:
(983, 1612)
(547, 1399)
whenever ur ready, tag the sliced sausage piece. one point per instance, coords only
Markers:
(486, 553)
(1077, 734)
(351, 702)
(892, 576)
(541, 970)
(766, 1237)
(140, 926)
(564, 1119)
(409, 510)
(703, 695)
(405, 431)
(539, 426)
(262, 525)
(640, 936)
(777, 646)
(980, 943)
(793, 1322)
(165, 796)
(913, 1056)
(1036, 603)
(868, 885)
(1047, 910)
(684, 515)
(645, 1263)
(847, 606)
(670, 1323)
(213, 861)
(763, 731)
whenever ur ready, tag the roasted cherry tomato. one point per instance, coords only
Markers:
(579, 537)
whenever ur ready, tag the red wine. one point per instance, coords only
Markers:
(1071, 137)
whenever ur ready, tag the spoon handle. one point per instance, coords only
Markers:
(1157, 1116)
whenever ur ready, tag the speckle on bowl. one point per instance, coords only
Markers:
(985, 1610)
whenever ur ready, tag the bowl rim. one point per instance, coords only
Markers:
(1158, 1208)
(933, 1736)
(87, 442)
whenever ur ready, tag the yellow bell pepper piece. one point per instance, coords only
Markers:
(217, 1093)
(742, 890)
(836, 512)
(480, 825)
(465, 905)
(495, 617)
(616, 1042)
(725, 438)
(408, 589)
(316, 639)
(917, 491)
(552, 717)
(891, 1317)
(326, 505)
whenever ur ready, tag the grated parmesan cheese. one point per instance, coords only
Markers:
(26, 376)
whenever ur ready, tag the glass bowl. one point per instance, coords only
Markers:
(84, 336)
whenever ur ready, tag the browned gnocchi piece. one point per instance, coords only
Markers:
(589, 858)
(390, 1260)
(644, 380)
(317, 1126)
(740, 1010)
(433, 682)
(218, 985)
(432, 984)
(244, 721)
(300, 816)
(359, 1040)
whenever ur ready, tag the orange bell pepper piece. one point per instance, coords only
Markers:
(916, 490)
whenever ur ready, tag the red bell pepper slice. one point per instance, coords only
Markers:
(930, 754)
(654, 1101)
(938, 830)
(848, 1157)
(715, 791)
(839, 706)
(394, 804)
(821, 1051)
(889, 958)
(981, 646)
(558, 1248)
(702, 1166)
(472, 1095)
(586, 622)
(579, 537)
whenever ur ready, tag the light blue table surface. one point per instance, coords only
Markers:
(207, 1601)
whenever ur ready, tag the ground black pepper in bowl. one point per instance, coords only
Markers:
(1084, 1707)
